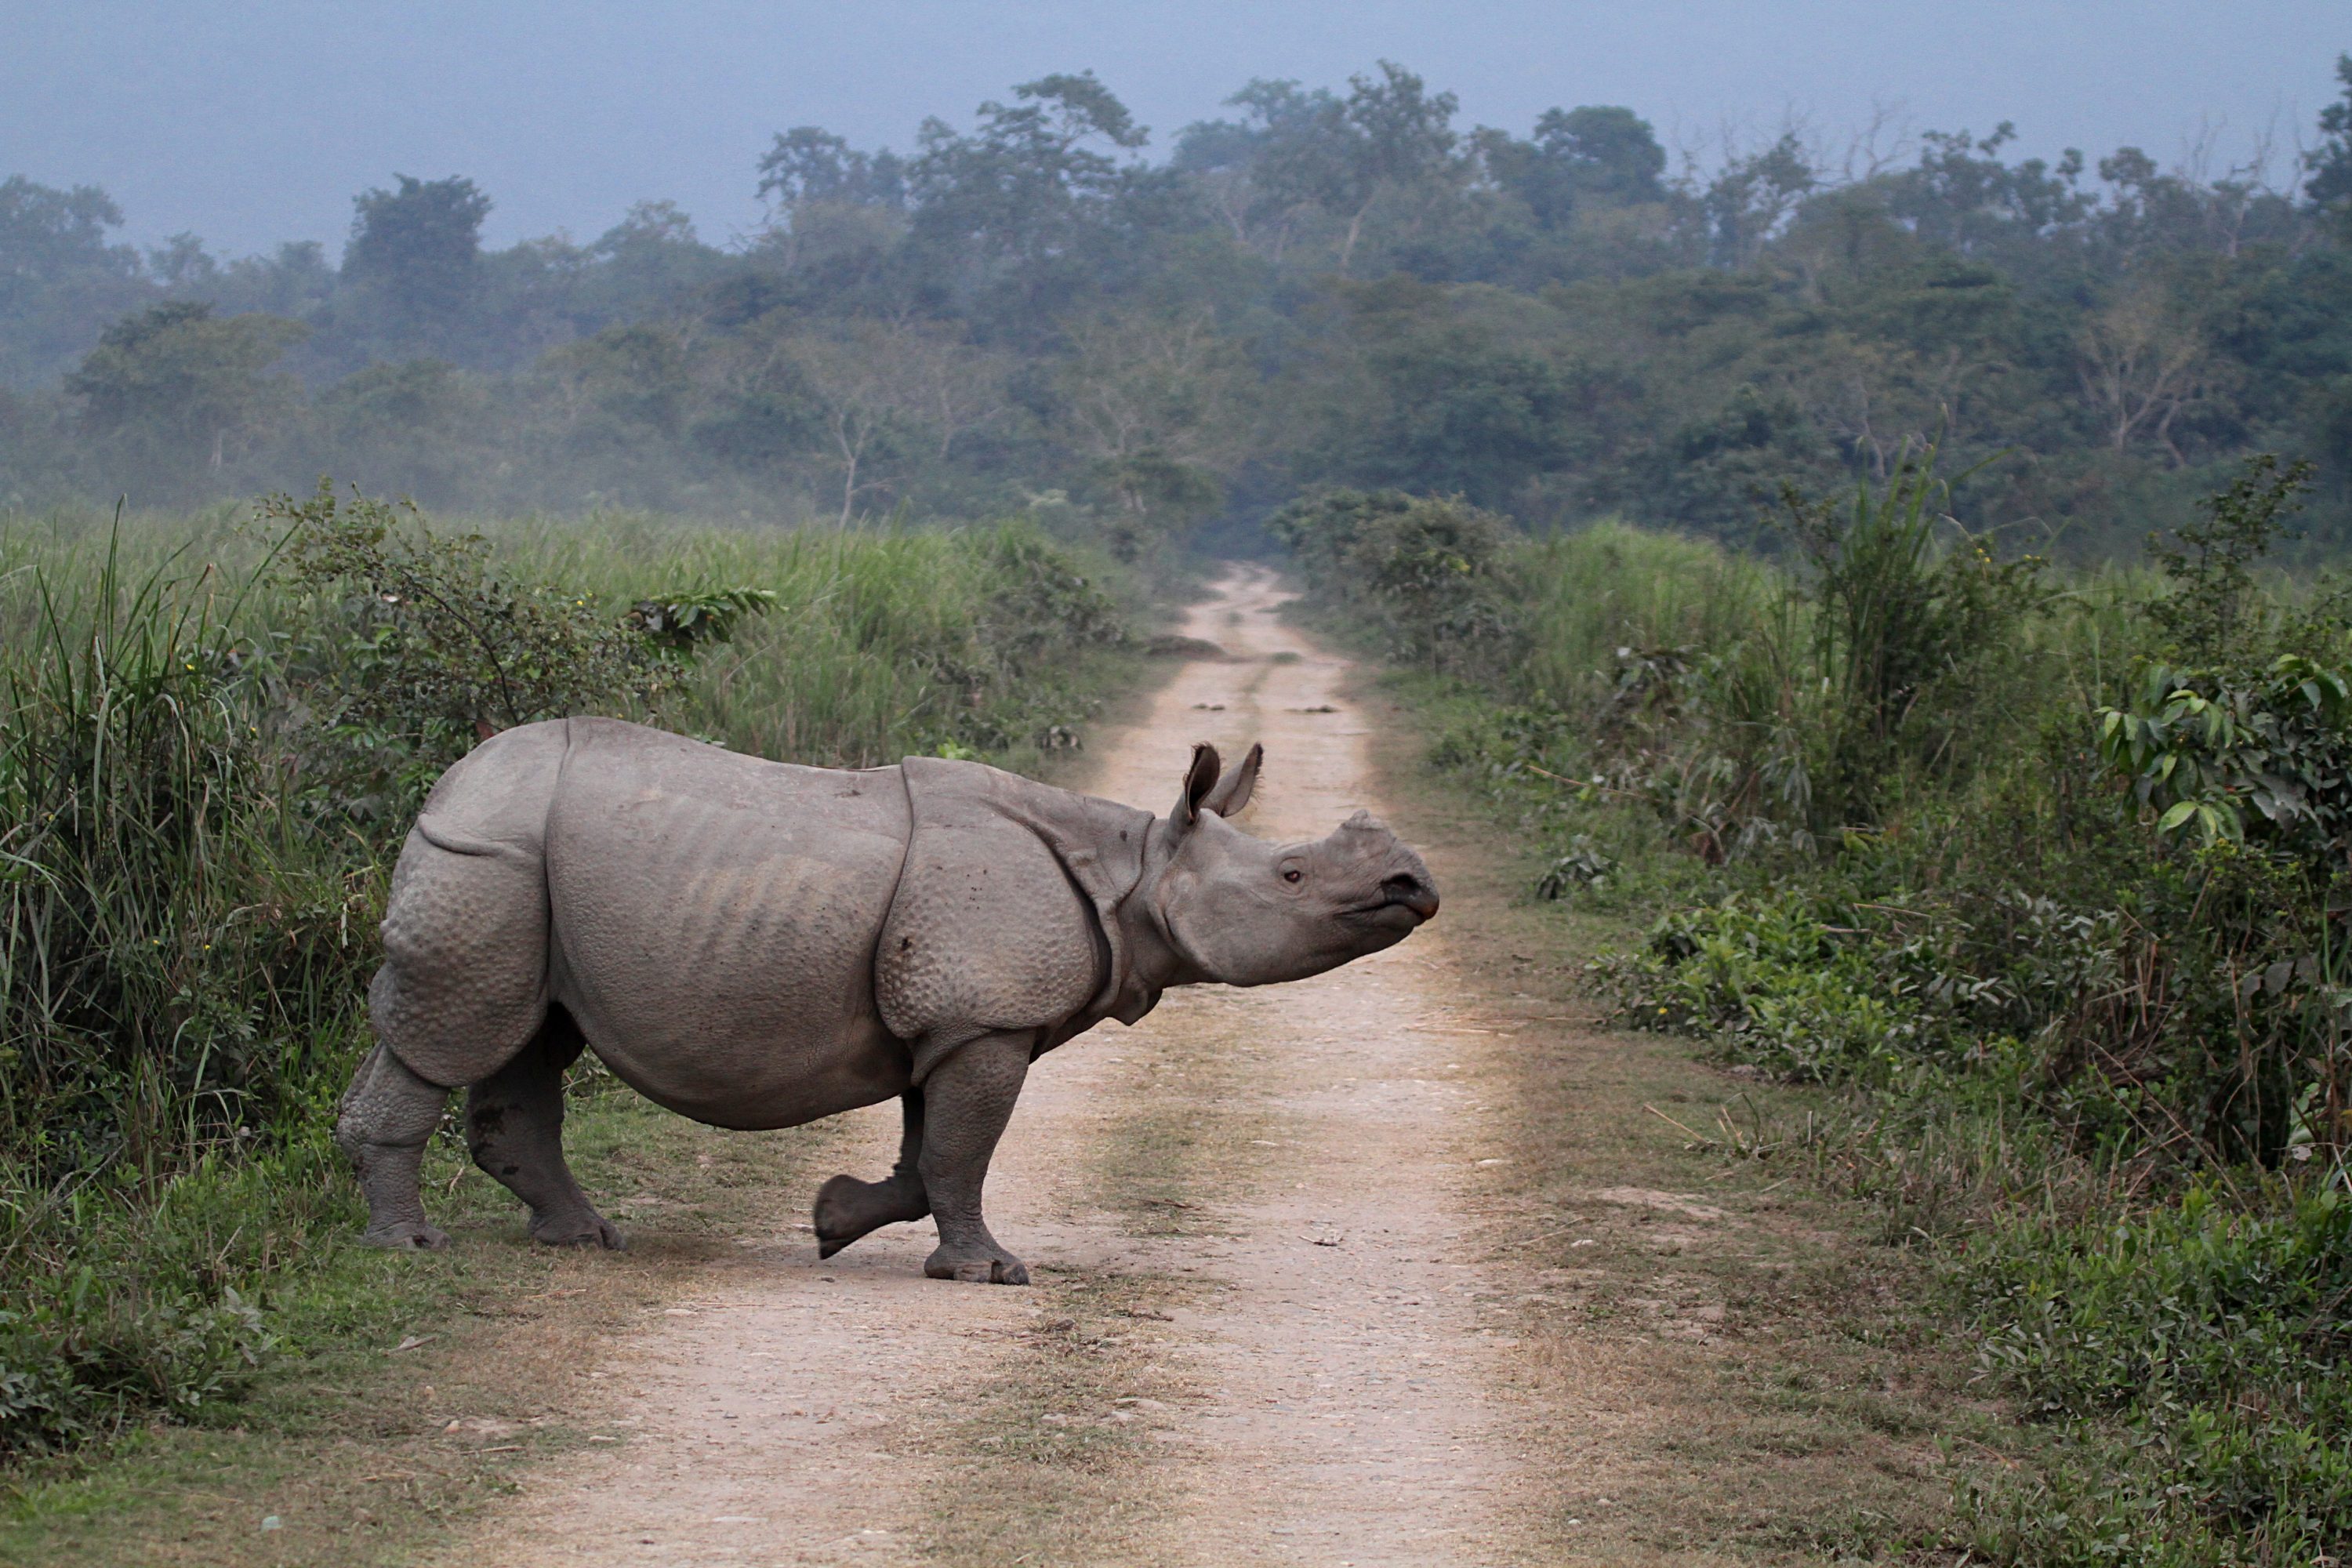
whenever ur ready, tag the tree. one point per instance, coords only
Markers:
(416, 429)
(294, 281)
(1146, 378)
(1237, 165)
(951, 387)
(182, 262)
(1612, 151)
(1748, 202)
(178, 384)
(60, 278)
(829, 203)
(1033, 179)
(882, 390)
(417, 246)
(643, 265)
(2329, 165)
(1578, 157)
(1963, 196)
(48, 234)
(1151, 398)
(623, 385)
(1440, 403)
(2143, 361)
(1388, 134)
(810, 164)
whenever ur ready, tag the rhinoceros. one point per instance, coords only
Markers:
(758, 944)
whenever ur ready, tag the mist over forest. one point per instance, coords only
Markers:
(1038, 307)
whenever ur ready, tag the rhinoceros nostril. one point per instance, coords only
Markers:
(1413, 893)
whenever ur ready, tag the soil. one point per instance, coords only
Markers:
(1316, 1282)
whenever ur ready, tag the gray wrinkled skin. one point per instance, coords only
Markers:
(756, 944)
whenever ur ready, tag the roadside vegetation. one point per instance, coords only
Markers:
(2040, 874)
(214, 733)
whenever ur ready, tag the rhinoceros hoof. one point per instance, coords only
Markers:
(407, 1238)
(847, 1208)
(940, 1265)
(579, 1230)
(840, 1213)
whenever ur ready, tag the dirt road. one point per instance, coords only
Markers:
(1257, 1335)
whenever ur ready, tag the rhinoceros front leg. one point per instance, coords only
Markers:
(514, 1125)
(847, 1208)
(967, 1101)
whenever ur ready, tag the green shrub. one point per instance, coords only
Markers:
(2196, 1357)
(1903, 626)
(1426, 572)
(1781, 988)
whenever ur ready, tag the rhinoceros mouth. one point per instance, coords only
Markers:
(1420, 908)
(1423, 903)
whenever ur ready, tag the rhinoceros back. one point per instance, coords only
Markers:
(464, 981)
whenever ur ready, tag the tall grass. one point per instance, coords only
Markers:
(1611, 586)
(188, 899)
(879, 644)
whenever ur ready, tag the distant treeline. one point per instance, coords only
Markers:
(1327, 288)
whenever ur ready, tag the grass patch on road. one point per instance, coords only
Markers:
(1189, 1135)
(1054, 1463)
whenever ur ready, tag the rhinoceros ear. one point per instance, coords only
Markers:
(1231, 795)
(1199, 780)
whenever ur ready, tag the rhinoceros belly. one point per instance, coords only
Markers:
(714, 920)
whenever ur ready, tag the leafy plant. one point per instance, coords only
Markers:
(449, 644)
(1585, 866)
(2213, 609)
(1895, 617)
(699, 617)
(2204, 749)
(426, 648)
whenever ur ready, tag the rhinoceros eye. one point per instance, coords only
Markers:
(1290, 873)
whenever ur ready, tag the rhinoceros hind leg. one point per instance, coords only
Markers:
(388, 1115)
(969, 1099)
(514, 1124)
(847, 1208)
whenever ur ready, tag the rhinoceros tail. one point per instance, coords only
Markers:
(463, 984)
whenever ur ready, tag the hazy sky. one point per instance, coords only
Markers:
(257, 121)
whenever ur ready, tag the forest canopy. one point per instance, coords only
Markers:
(1042, 308)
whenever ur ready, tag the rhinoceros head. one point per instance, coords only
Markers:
(1249, 912)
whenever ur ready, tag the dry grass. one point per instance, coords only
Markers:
(1187, 1143)
(1058, 1461)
